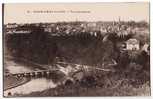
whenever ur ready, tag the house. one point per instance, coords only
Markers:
(11, 25)
(48, 29)
(92, 24)
(132, 44)
(122, 34)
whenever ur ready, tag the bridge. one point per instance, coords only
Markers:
(37, 73)
(69, 69)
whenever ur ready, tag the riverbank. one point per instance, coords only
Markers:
(12, 82)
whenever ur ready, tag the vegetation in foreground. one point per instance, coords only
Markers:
(121, 83)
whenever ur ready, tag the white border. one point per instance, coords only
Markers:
(1, 53)
(70, 1)
(33, 1)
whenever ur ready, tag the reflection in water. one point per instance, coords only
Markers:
(38, 84)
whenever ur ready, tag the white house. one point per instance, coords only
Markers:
(132, 44)
(11, 25)
(48, 29)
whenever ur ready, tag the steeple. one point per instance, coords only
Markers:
(119, 19)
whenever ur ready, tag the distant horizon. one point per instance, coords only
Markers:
(70, 12)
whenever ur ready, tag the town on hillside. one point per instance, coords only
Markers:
(77, 58)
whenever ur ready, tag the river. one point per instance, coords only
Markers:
(34, 85)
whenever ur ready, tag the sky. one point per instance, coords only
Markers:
(29, 12)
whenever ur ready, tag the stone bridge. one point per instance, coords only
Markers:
(63, 70)
(37, 73)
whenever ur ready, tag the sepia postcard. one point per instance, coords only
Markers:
(76, 49)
